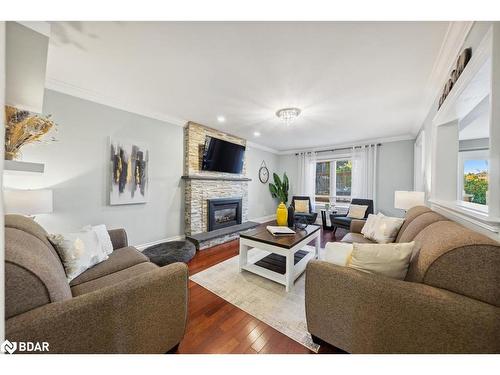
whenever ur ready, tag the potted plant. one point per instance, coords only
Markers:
(279, 190)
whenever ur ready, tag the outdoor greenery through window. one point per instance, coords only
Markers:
(333, 179)
(475, 181)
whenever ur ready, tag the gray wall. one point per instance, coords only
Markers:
(395, 172)
(260, 202)
(77, 169)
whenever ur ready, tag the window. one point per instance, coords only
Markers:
(474, 178)
(333, 180)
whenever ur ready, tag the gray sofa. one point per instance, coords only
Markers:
(448, 303)
(125, 304)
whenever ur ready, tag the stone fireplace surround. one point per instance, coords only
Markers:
(202, 186)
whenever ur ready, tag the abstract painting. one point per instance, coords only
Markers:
(129, 173)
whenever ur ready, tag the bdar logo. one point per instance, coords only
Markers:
(8, 347)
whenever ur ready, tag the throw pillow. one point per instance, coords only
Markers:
(78, 251)
(383, 229)
(301, 206)
(102, 234)
(369, 227)
(357, 211)
(337, 253)
(391, 260)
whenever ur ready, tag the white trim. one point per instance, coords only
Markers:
(451, 47)
(475, 217)
(261, 147)
(40, 27)
(144, 246)
(264, 219)
(96, 97)
(404, 137)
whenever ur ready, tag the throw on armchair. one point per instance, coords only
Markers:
(303, 209)
(343, 221)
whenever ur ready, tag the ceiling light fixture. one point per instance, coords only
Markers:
(221, 119)
(256, 134)
(288, 115)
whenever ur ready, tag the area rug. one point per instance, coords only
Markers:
(262, 298)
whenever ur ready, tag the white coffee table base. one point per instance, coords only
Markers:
(292, 271)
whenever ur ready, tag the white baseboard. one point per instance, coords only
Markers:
(144, 246)
(264, 219)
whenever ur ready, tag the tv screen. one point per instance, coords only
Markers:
(222, 156)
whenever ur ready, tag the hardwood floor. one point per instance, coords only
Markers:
(216, 326)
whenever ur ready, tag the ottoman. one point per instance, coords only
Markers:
(170, 252)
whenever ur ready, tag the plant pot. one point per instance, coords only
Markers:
(282, 215)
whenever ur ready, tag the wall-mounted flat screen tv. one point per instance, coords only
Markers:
(222, 156)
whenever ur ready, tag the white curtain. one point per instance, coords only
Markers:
(364, 173)
(307, 175)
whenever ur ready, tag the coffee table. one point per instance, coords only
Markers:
(288, 258)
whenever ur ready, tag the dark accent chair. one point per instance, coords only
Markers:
(342, 221)
(310, 217)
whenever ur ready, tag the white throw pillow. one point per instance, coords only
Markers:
(357, 211)
(102, 234)
(337, 253)
(368, 229)
(391, 260)
(79, 251)
(385, 229)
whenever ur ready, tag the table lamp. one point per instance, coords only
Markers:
(408, 199)
(28, 202)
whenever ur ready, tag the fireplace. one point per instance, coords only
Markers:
(223, 212)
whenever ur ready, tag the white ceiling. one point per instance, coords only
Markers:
(353, 81)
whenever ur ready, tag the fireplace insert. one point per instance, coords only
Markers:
(223, 212)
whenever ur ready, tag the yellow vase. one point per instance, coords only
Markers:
(282, 215)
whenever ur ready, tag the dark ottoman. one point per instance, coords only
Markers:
(170, 252)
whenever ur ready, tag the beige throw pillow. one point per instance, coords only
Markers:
(78, 251)
(301, 206)
(337, 253)
(357, 211)
(381, 228)
(391, 260)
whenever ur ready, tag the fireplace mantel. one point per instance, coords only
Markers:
(213, 178)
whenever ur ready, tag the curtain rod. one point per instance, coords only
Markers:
(342, 148)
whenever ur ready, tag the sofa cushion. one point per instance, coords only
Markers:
(113, 278)
(118, 260)
(34, 275)
(457, 259)
(418, 224)
(356, 237)
(411, 214)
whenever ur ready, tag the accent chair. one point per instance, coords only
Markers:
(299, 202)
(343, 221)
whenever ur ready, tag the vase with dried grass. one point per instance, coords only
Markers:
(22, 128)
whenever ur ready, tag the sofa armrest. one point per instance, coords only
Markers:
(145, 314)
(365, 313)
(118, 238)
(357, 225)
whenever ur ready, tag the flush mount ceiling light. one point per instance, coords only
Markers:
(221, 119)
(288, 115)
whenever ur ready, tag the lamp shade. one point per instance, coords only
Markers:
(28, 202)
(408, 199)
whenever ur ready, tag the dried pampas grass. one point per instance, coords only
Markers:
(22, 128)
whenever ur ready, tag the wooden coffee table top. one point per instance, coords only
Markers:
(261, 234)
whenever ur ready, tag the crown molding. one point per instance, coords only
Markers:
(404, 137)
(451, 48)
(96, 97)
(261, 147)
(41, 27)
